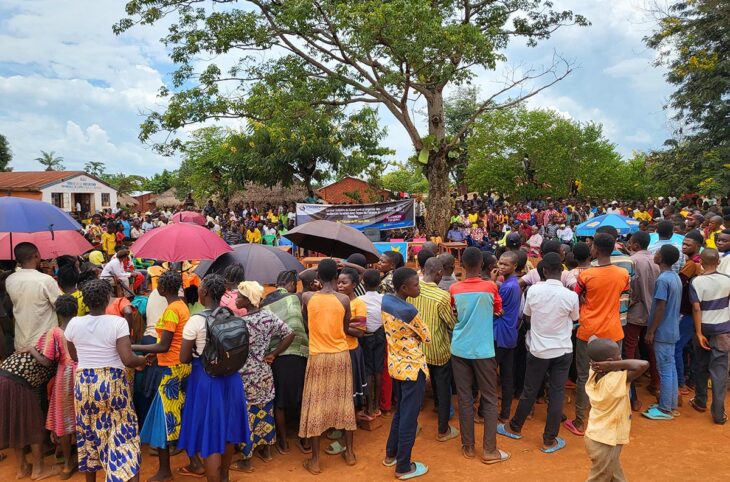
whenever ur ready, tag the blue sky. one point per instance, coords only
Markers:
(69, 85)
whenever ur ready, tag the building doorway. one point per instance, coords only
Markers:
(82, 204)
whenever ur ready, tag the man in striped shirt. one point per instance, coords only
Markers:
(709, 294)
(434, 307)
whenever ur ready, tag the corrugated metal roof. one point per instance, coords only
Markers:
(34, 180)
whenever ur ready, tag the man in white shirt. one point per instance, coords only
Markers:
(33, 295)
(147, 224)
(552, 309)
(114, 269)
(565, 234)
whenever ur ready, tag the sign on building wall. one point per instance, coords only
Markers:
(84, 183)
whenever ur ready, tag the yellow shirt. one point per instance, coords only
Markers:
(642, 216)
(108, 243)
(253, 236)
(609, 421)
(473, 219)
(710, 241)
(358, 312)
(405, 333)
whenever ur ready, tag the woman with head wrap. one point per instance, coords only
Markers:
(258, 379)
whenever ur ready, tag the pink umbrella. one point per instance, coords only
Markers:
(180, 242)
(51, 244)
(189, 217)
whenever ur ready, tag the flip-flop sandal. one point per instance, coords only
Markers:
(24, 474)
(420, 469)
(723, 421)
(54, 470)
(465, 454)
(694, 405)
(568, 424)
(653, 413)
(559, 444)
(503, 457)
(451, 434)
(237, 468)
(189, 473)
(390, 464)
(502, 431)
(335, 448)
(348, 462)
(281, 450)
(306, 465)
(335, 435)
(302, 448)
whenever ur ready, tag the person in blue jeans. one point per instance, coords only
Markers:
(406, 333)
(691, 247)
(663, 332)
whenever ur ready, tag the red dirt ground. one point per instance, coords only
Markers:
(688, 448)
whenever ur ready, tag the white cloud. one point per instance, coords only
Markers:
(68, 84)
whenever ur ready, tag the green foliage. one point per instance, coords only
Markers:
(95, 168)
(212, 165)
(6, 155)
(406, 177)
(693, 42)
(160, 182)
(50, 161)
(369, 51)
(123, 183)
(560, 151)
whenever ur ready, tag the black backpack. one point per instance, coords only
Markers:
(226, 346)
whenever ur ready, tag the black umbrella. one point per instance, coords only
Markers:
(333, 239)
(260, 262)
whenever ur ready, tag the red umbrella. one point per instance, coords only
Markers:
(51, 244)
(180, 242)
(189, 217)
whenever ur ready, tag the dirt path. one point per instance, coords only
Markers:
(688, 448)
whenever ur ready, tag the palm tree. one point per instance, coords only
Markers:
(51, 161)
(95, 168)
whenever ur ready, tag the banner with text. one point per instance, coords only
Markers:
(387, 215)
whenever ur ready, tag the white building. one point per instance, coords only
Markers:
(72, 191)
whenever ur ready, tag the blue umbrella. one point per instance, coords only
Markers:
(623, 224)
(18, 215)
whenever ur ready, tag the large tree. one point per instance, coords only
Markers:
(50, 161)
(693, 42)
(533, 153)
(6, 155)
(390, 53)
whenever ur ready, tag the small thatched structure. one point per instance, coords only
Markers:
(276, 194)
(167, 199)
(127, 201)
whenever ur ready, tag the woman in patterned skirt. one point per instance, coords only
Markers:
(258, 379)
(107, 434)
(327, 399)
(162, 424)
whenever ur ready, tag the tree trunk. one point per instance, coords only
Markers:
(437, 170)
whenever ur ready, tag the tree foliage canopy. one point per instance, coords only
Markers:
(405, 177)
(6, 155)
(369, 51)
(559, 151)
(693, 42)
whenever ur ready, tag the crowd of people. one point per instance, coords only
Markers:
(527, 312)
